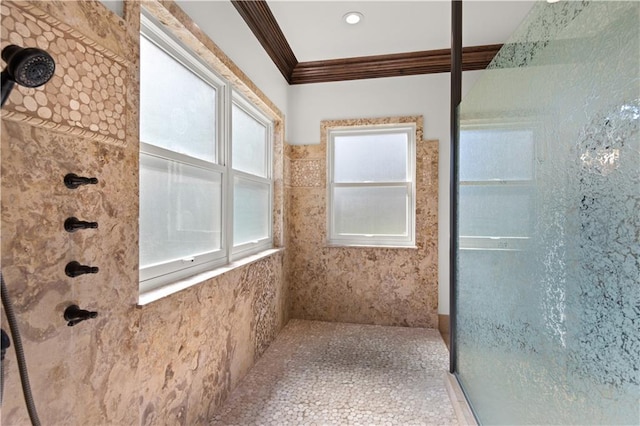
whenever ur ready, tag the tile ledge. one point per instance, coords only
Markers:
(460, 405)
(364, 246)
(169, 289)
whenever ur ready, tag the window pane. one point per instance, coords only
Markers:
(371, 158)
(496, 154)
(249, 143)
(180, 210)
(495, 211)
(370, 210)
(177, 108)
(251, 211)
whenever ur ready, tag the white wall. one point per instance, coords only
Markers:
(426, 95)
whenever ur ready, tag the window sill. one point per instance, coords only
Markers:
(372, 246)
(169, 289)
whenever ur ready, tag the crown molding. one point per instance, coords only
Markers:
(393, 65)
(264, 26)
(260, 19)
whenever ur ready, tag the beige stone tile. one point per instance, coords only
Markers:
(361, 285)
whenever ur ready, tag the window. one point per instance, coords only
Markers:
(496, 187)
(251, 171)
(372, 186)
(205, 165)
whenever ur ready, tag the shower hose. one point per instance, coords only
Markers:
(22, 364)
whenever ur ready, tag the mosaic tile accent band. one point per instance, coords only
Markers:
(308, 173)
(86, 95)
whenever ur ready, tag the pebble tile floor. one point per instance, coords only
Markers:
(319, 373)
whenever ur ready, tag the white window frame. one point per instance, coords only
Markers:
(373, 240)
(246, 249)
(168, 273)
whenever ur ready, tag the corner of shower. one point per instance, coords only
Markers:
(544, 256)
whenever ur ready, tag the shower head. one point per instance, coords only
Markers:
(29, 67)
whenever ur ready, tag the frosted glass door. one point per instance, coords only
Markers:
(548, 290)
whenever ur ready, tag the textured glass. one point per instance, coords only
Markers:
(177, 108)
(249, 143)
(180, 210)
(250, 211)
(370, 210)
(549, 333)
(495, 154)
(495, 210)
(378, 157)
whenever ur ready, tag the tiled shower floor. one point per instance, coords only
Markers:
(319, 373)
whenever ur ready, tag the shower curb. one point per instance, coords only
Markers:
(458, 401)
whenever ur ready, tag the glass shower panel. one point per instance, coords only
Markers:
(548, 290)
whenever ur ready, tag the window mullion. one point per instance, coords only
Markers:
(370, 184)
(227, 141)
(251, 177)
(177, 157)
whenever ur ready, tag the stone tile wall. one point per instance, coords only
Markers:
(384, 286)
(175, 360)
(170, 362)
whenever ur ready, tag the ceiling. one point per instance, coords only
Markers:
(315, 29)
(309, 42)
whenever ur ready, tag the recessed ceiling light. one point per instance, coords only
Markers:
(553, 1)
(353, 18)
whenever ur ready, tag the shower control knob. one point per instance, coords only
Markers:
(72, 224)
(73, 315)
(75, 269)
(72, 181)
